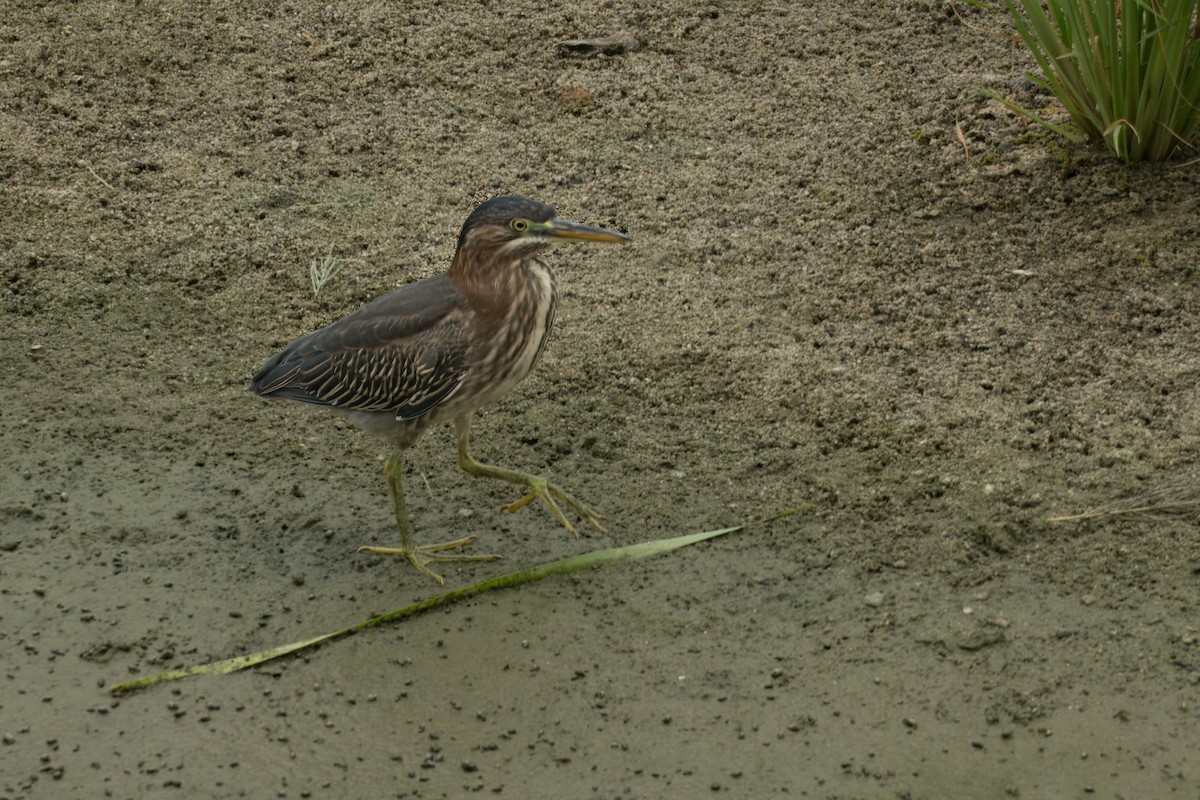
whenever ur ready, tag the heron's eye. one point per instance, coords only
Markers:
(520, 225)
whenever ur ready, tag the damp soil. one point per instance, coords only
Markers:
(858, 283)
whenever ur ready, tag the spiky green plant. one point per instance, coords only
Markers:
(322, 270)
(1127, 71)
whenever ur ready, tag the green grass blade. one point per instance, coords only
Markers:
(1127, 72)
(1066, 133)
(633, 552)
(1175, 58)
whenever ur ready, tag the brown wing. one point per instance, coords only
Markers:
(404, 352)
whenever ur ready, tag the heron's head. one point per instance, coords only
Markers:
(505, 230)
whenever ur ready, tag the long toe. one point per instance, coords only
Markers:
(551, 495)
(422, 556)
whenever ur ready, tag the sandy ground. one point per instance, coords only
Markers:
(831, 301)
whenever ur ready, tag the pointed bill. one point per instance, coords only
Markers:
(565, 229)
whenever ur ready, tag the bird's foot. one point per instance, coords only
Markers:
(551, 496)
(424, 555)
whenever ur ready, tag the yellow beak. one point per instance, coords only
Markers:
(565, 229)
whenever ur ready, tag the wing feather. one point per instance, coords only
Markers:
(404, 352)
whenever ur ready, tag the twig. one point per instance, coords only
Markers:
(962, 137)
(97, 177)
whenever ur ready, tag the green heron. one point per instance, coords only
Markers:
(440, 349)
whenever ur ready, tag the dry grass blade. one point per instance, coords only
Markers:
(1181, 500)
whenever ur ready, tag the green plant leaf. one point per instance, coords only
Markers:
(634, 552)
(1128, 73)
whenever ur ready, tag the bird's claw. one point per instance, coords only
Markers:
(421, 557)
(551, 495)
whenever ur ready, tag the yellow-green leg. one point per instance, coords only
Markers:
(539, 487)
(420, 556)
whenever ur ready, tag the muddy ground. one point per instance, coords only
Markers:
(938, 343)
